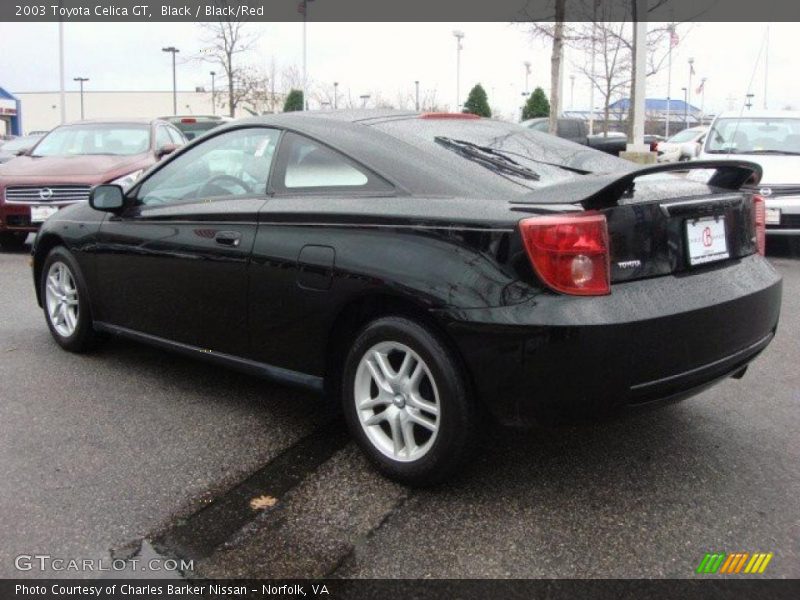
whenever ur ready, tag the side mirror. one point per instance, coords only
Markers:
(24, 152)
(166, 149)
(107, 197)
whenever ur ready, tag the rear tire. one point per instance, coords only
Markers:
(13, 240)
(66, 302)
(406, 402)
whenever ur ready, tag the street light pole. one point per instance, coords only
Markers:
(572, 92)
(213, 94)
(527, 65)
(416, 94)
(335, 95)
(173, 50)
(685, 107)
(459, 35)
(81, 81)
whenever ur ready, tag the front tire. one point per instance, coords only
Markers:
(66, 302)
(407, 403)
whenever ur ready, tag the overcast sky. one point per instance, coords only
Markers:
(388, 57)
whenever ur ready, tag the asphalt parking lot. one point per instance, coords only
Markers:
(101, 451)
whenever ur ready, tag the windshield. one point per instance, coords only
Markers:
(754, 136)
(123, 139)
(21, 143)
(687, 135)
(526, 159)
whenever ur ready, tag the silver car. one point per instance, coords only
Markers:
(770, 138)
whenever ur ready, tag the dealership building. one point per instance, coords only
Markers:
(23, 112)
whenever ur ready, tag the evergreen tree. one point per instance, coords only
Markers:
(294, 101)
(477, 102)
(536, 106)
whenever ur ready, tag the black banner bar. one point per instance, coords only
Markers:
(391, 10)
(341, 589)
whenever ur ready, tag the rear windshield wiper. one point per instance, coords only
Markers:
(488, 157)
(505, 155)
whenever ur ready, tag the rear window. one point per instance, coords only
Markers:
(527, 147)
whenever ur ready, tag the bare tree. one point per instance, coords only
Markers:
(606, 27)
(224, 42)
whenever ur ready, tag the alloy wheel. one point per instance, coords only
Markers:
(397, 401)
(61, 298)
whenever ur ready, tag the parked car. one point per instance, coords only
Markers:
(422, 268)
(63, 166)
(684, 145)
(12, 148)
(577, 130)
(771, 139)
(194, 125)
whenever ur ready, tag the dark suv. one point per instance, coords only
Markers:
(64, 165)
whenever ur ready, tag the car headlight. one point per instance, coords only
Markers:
(128, 180)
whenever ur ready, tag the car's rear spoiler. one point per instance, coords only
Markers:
(603, 191)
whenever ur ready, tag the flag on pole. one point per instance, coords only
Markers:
(700, 87)
(673, 37)
(691, 69)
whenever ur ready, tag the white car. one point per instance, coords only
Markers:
(771, 139)
(684, 145)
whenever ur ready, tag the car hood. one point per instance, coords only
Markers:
(92, 169)
(777, 169)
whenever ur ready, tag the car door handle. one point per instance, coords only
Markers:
(228, 238)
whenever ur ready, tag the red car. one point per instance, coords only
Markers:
(64, 165)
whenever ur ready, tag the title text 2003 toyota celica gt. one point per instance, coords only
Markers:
(422, 268)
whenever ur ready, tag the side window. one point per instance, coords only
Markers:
(310, 165)
(176, 136)
(162, 137)
(236, 163)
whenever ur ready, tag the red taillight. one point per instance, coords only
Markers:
(760, 220)
(188, 120)
(570, 252)
(446, 115)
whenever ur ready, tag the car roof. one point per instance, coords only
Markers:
(112, 122)
(759, 114)
(416, 164)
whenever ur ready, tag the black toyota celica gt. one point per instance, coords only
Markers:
(424, 269)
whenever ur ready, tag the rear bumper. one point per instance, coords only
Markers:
(659, 339)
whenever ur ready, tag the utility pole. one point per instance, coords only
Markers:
(81, 81)
(689, 88)
(766, 70)
(416, 94)
(304, 9)
(173, 50)
(62, 93)
(459, 35)
(213, 94)
(637, 146)
(672, 43)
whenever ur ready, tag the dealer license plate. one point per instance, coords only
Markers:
(39, 214)
(706, 240)
(773, 216)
